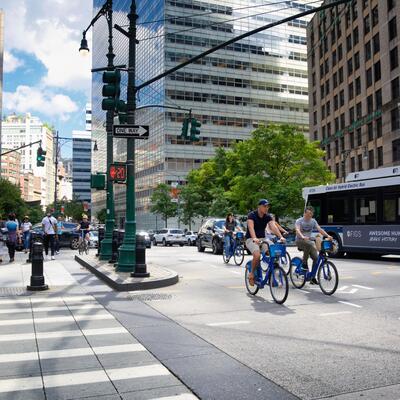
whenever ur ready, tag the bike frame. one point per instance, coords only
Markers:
(313, 273)
(271, 265)
(233, 246)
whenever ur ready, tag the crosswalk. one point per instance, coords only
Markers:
(91, 350)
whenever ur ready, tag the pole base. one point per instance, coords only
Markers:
(106, 250)
(140, 274)
(37, 288)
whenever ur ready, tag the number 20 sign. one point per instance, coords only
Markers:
(118, 173)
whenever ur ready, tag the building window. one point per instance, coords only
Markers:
(348, 43)
(314, 95)
(356, 61)
(371, 163)
(349, 67)
(369, 77)
(352, 164)
(342, 121)
(328, 108)
(395, 86)
(396, 150)
(327, 89)
(340, 52)
(351, 115)
(370, 104)
(360, 162)
(377, 71)
(378, 99)
(334, 57)
(351, 91)
(358, 110)
(341, 98)
(354, 10)
(375, 16)
(337, 170)
(392, 28)
(351, 135)
(379, 156)
(358, 133)
(313, 78)
(336, 148)
(390, 4)
(394, 58)
(367, 25)
(376, 44)
(364, 4)
(315, 118)
(323, 111)
(355, 36)
(341, 75)
(378, 127)
(368, 52)
(395, 118)
(358, 86)
(334, 79)
(370, 132)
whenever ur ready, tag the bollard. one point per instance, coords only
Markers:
(33, 238)
(141, 267)
(101, 237)
(37, 278)
(115, 245)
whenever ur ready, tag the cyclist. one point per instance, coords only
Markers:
(257, 221)
(84, 228)
(230, 227)
(304, 227)
(268, 232)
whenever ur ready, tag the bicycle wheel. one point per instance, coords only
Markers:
(298, 278)
(80, 248)
(225, 256)
(251, 289)
(87, 249)
(278, 284)
(328, 277)
(284, 263)
(239, 254)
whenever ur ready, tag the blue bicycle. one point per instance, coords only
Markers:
(274, 275)
(324, 270)
(235, 250)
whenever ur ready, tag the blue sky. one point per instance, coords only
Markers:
(44, 73)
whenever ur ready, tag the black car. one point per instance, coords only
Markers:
(68, 238)
(211, 235)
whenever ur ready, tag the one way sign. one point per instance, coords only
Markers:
(131, 131)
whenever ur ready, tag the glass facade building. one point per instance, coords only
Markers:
(258, 80)
(81, 162)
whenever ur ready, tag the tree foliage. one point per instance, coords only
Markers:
(102, 215)
(192, 205)
(276, 163)
(11, 200)
(162, 203)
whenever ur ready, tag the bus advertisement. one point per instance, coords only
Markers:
(362, 214)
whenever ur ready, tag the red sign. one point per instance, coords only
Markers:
(118, 172)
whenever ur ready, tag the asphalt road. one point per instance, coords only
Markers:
(345, 346)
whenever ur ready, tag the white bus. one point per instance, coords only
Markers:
(362, 214)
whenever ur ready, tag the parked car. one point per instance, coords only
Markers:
(94, 239)
(68, 238)
(168, 237)
(146, 238)
(191, 238)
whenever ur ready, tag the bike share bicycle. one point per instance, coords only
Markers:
(83, 243)
(324, 270)
(236, 249)
(284, 260)
(274, 275)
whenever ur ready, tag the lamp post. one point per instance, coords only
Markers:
(106, 244)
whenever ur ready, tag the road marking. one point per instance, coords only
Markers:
(350, 304)
(363, 287)
(49, 320)
(36, 300)
(49, 309)
(65, 353)
(304, 291)
(235, 287)
(376, 273)
(236, 272)
(335, 313)
(81, 378)
(342, 288)
(228, 323)
(345, 277)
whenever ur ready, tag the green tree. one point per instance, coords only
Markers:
(35, 213)
(11, 200)
(192, 205)
(275, 163)
(102, 215)
(162, 203)
(74, 209)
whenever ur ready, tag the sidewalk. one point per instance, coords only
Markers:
(64, 344)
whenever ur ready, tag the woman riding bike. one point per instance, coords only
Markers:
(230, 227)
(84, 228)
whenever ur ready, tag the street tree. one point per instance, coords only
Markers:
(193, 205)
(102, 215)
(11, 200)
(162, 203)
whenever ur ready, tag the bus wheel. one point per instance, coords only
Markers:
(338, 253)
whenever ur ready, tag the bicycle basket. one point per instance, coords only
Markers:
(277, 250)
(239, 235)
(327, 245)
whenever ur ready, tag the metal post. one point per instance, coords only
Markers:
(37, 278)
(106, 244)
(56, 174)
(127, 252)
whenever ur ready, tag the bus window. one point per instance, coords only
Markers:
(365, 210)
(338, 210)
(391, 208)
(316, 205)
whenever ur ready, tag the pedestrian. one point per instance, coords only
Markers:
(2, 240)
(26, 227)
(49, 224)
(12, 235)
(59, 232)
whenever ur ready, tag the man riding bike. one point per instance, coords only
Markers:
(257, 221)
(304, 227)
(84, 228)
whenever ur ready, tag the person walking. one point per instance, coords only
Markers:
(59, 233)
(2, 240)
(12, 235)
(26, 227)
(49, 224)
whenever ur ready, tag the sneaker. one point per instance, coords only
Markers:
(314, 282)
(11, 260)
(304, 267)
(57, 252)
(46, 258)
(53, 258)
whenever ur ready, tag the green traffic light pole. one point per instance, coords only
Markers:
(127, 251)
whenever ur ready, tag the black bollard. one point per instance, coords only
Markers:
(141, 267)
(29, 259)
(37, 278)
(114, 247)
(101, 237)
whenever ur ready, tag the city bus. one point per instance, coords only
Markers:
(363, 213)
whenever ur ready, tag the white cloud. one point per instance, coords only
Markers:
(28, 99)
(11, 63)
(52, 33)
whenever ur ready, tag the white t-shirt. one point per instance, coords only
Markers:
(49, 223)
(26, 226)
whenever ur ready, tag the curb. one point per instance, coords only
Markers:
(123, 282)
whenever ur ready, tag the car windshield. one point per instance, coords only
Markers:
(220, 223)
(189, 233)
(177, 231)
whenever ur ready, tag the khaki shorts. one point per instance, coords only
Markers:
(253, 247)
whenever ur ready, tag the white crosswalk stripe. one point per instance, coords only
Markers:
(37, 300)
(49, 309)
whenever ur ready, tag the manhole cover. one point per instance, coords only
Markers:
(13, 291)
(151, 296)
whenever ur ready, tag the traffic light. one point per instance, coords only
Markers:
(194, 131)
(111, 90)
(121, 110)
(40, 157)
(185, 128)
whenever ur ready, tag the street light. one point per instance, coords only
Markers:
(84, 49)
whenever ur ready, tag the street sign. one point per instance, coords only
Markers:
(131, 131)
(118, 173)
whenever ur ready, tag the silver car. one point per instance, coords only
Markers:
(168, 237)
(191, 238)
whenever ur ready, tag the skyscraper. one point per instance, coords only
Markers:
(258, 80)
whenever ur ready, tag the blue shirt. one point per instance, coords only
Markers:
(12, 227)
(59, 227)
(260, 223)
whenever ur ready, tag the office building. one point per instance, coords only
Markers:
(18, 130)
(354, 88)
(81, 165)
(258, 80)
(11, 166)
